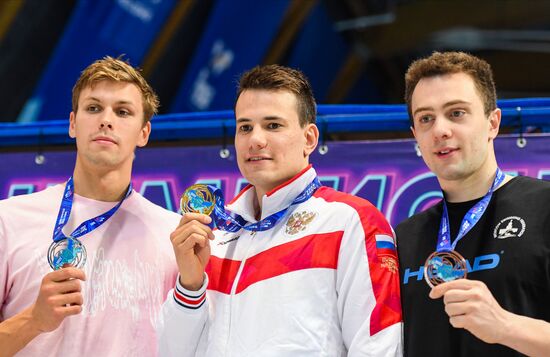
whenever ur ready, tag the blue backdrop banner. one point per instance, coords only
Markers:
(95, 29)
(236, 38)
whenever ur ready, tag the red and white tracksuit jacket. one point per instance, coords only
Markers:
(316, 284)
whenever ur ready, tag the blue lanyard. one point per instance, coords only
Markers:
(227, 223)
(470, 219)
(84, 227)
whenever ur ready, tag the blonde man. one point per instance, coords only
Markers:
(109, 305)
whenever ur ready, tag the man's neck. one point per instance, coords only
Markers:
(108, 185)
(262, 190)
(472, 187)
(257, 204)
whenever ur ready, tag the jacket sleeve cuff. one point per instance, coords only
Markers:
(190, 299)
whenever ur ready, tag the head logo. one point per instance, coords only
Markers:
(482, 262)
(509, 227)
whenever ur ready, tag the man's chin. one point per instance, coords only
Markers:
(103, 161)
(450, 174)
(263, 178)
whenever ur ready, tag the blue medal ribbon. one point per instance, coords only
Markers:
(226, 222)
(470, 219)
(84, 227)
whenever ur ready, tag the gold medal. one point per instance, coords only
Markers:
(197, 199)
(444, 266)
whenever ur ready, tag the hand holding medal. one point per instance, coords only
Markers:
(191, 238)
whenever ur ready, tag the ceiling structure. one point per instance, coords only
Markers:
(376, 39)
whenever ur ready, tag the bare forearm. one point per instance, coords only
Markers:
(527, 335)
(16, 332)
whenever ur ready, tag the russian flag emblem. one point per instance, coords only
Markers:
(385, 243)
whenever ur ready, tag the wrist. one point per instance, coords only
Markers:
(190, 299)
(30, 321)
(510, 327)
(191, 286)
(17, 331)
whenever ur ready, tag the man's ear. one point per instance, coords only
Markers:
(72, 123)
(311, 134)
(416, 146)
(144, 134)
(494, 123)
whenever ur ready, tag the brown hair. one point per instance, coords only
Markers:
(275, 77)
(439, 64)
(115, 69)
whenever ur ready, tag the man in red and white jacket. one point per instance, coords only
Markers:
(322, 281)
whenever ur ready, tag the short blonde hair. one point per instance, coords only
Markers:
(115, 69)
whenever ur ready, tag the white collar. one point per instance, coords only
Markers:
(275, 200)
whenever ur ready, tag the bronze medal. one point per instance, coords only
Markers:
(444, 266)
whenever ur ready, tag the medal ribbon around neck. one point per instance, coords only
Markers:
(470, 219)
(226, 222)
(445, 264)
(58, 257)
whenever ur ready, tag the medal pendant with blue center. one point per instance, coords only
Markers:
(444, 266)
(197, 199)
(69, 251)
